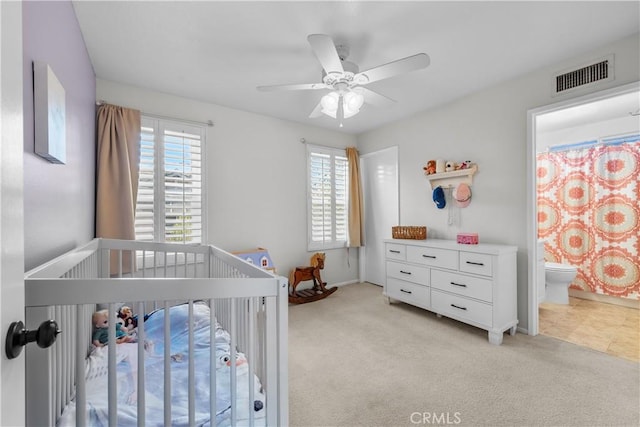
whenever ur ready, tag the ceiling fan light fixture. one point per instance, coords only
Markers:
(351, 103)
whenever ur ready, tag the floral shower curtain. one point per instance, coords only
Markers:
(589, 214)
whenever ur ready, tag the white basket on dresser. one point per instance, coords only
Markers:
(475, 284)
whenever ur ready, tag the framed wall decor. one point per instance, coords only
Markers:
(49, 114)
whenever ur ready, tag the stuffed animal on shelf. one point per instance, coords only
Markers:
(126, 314)
(100, 336)
(430, 168)
(465, 165)
(449, 166)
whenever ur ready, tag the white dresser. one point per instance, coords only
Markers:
(475, 284)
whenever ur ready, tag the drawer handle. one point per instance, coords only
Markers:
(475, 263)
(460, 308)
(406, 292)
(394, 252)
(462, 285)
(405, 272)
(428, 256)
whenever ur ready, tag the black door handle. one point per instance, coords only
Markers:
(18, 337)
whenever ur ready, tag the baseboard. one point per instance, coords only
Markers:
(522, 330)
(608, 299)
(348, 282)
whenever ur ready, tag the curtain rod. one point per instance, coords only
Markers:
(158, 116)
(304, 141)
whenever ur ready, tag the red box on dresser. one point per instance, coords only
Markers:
(468, 238)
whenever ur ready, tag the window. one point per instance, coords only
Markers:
(328, 196)
(170, 193)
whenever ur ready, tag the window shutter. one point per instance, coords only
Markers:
(145, 223)
(328, 195)
(321, 197)
(341, 197)
(182, 186)
(170, 189)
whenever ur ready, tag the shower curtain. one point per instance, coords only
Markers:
(589, 213)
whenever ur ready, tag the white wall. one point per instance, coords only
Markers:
(256, 177)
(588, 132)
(489, 128)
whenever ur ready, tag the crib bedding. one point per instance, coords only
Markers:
(126, 359)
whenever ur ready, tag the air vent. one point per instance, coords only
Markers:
(595, 72)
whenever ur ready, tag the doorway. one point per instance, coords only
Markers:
(379, 171)
(569, 117)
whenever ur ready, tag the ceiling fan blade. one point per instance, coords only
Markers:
(326, 53)
(317, 112)
(401, 66)
(374, 98)
(306, 86)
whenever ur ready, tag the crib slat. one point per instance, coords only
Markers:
(81, 397)
(233, 355)
(213, 391)
(112, 387)
(192, 381)
(271, 363)
(167, 365)
(250, 359)
(141, 385)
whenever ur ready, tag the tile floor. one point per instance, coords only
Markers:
(604, 327)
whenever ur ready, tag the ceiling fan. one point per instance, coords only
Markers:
(346, 82)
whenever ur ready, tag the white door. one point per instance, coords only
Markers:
(12, 372)
(379, 172)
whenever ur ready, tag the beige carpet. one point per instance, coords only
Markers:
(355, 360)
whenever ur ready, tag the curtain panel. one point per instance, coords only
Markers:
(356, 234)
(589, 215)
(117, 170)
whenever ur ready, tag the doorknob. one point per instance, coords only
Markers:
(18, 336)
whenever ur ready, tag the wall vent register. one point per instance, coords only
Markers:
(595, 72)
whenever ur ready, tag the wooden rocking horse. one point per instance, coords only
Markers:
(301, 274)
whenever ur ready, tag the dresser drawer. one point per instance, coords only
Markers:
(410, 273)
(476, 263)
(462, 308)
(461, 284)
(433, 257)
(394, 251)
(408, 292)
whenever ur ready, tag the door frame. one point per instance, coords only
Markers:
(532, 223)
(12, 391)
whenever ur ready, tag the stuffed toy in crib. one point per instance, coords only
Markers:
(243, 377)
(100, 336)
(126, 314)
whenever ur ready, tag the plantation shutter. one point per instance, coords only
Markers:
(170, 202)
(144, 223)
(328, 195)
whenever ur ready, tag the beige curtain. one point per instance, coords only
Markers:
(117, 176)
(356, 235)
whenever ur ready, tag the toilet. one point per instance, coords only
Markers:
(557, 278)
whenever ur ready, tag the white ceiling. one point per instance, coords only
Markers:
(218, 52)
(625, 106)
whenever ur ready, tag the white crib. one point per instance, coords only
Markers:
(249, 303)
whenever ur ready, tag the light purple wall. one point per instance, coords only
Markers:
(59, 200)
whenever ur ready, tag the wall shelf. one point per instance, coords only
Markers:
(453, 178)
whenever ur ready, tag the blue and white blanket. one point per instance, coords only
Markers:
(127, 356)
